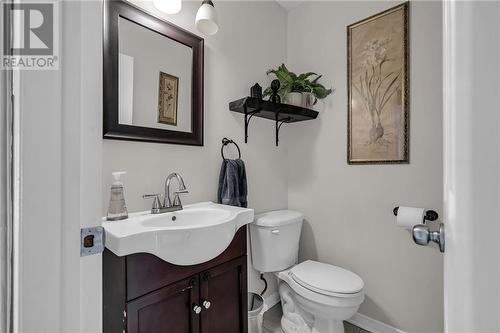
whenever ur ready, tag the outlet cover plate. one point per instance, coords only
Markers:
(91, 241)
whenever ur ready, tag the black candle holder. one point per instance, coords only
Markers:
(256, 91)
(275, 86)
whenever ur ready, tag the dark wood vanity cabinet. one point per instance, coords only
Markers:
(142, 293)
(169, 307)
(225, 288)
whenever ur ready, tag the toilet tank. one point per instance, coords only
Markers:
(274, 239)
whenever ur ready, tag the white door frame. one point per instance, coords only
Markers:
(6, 184)
(472, 166)
(61, 137)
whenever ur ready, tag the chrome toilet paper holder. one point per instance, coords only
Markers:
(422, 234)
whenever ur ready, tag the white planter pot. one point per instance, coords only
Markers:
(308, 100)
(294, 98)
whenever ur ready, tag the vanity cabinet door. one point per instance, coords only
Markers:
(167, 310)
(225, 288)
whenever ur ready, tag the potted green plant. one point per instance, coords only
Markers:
(301, 90)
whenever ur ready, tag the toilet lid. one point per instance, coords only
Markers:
(326, 279)
(278, 218)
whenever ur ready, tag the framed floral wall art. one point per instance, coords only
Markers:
(377, 81)
(167, 99)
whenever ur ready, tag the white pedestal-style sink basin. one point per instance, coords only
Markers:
(196, 234)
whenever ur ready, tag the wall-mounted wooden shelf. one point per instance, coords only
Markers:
(278, 112)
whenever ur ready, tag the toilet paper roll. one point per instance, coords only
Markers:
(408, 217)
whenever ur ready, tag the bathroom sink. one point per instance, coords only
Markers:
(196, 234)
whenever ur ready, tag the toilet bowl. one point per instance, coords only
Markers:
(323, 305)
(315, 297)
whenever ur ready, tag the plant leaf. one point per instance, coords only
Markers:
(321, 92)
(267, 92)
(305, 76)
(316, 79)
(383, 100)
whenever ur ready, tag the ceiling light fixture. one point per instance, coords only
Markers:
(206, 18)
(168, 6)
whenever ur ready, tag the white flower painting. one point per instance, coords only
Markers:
(377, 91)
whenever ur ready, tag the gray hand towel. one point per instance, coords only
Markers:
(233, 183)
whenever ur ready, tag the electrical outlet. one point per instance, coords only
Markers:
(91, 241)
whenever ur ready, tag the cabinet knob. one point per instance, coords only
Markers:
(197, 309)
(206, 304)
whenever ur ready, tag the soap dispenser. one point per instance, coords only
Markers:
(117, 209)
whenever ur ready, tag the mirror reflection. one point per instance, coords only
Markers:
(155, 74)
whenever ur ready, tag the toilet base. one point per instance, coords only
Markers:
(324, 325)
(320, 326)
(301, 315)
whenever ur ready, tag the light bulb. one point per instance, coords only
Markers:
(168, 6)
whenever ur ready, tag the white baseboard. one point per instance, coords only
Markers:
(372, 325)
(271, 300)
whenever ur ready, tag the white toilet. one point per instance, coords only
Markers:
(315, 297)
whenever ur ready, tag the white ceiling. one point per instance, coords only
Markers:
(289, 4)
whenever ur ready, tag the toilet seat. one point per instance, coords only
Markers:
(326, 299)
(327, 279)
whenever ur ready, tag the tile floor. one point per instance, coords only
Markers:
(272, 319)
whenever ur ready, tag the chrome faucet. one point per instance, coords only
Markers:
(168, 205)
(182, 189)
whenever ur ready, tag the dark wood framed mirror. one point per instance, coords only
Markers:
(153, 78)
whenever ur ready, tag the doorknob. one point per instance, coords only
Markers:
(197, 309)
(422, 235)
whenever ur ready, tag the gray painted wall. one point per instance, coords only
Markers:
(349, 208)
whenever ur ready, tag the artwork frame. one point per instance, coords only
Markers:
(168, 96)
(371, 143)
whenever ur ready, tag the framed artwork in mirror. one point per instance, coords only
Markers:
(378, 88)
(153, 78)
(167, 99)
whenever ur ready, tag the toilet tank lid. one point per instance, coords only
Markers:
(278, 218)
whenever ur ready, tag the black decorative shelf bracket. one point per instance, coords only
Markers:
(280, 122)
(251, 106)
(248, 116)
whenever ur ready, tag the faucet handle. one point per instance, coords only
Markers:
(156, 202)
(177, 200)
